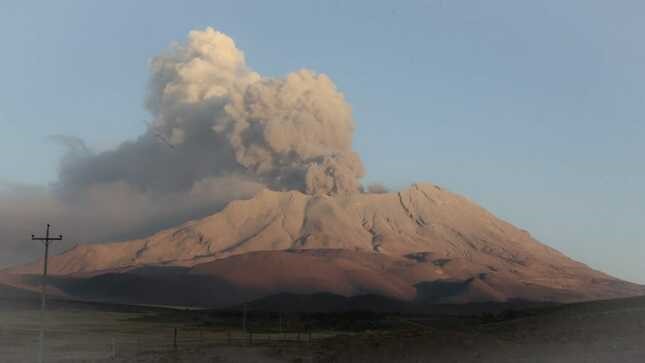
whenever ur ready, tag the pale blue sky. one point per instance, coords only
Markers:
(533, 109)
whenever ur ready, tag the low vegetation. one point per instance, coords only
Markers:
(608, 331)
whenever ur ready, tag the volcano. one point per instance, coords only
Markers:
(423, 243)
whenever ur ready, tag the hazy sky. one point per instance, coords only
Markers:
(534, 109)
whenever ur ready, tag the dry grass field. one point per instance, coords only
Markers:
(593, 332)
(79, 332)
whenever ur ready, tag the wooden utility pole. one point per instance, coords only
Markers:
(174, 340)
(244, 318)
(43, 294)
(280, 314)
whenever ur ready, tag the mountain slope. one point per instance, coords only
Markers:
(410, 279)
(412, 239)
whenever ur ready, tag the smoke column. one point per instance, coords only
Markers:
(214, 116)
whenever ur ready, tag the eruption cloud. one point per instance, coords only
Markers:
(216, 117)
(219, 132)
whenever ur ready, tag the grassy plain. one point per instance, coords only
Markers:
(611, 331)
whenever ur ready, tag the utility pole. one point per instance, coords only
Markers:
(244, 319)
(43, 304)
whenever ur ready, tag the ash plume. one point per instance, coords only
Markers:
(218, 132)
(221, 118)
(377, 188)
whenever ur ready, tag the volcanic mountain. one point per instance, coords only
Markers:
(423, 243)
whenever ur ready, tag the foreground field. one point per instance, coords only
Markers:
(594, 332)
(79, 332)
(591, 332)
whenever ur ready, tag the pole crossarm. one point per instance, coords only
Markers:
(60, 237)
(46, 239)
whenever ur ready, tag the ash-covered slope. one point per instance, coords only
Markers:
(424, 233)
